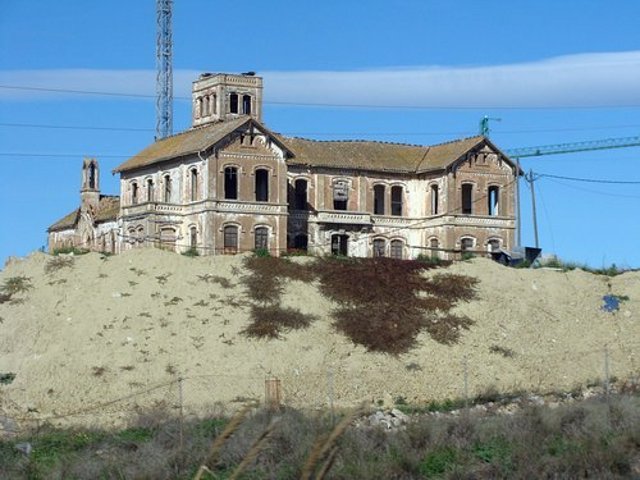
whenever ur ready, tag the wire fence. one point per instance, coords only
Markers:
(604, 370)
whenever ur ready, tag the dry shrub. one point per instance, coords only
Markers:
(57, 263)
(385, 303)
(272, 320)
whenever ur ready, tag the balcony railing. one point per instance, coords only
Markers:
(353, 218)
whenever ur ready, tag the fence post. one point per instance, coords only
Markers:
(330, 393)
(181, 419)
(606, 370)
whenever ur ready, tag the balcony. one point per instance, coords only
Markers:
(151, 207)
(343, 217)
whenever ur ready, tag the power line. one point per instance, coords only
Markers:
(335, 105)
(76, 127)
(589, 180)
(598, 192)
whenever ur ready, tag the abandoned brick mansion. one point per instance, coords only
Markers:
(229, 184)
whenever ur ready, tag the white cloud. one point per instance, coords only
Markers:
(590, 79)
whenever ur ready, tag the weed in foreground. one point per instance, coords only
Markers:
(14, 285)
(58, 263)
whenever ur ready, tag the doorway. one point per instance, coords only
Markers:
(339, 244)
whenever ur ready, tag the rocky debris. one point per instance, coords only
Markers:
(389, 420)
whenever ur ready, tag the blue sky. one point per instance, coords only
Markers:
(419, 72)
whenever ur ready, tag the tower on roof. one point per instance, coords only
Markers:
(90, 191)
(223, 96)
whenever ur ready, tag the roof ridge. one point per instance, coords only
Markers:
(462, 139)
(355, 140)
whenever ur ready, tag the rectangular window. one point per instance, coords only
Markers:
(230, 239)
(231, 183)
(396, 201)
(467, 199)
(194, 185)
(378, 199)
(340, 195)
(262, 185)
(167, 189)
(262, 238)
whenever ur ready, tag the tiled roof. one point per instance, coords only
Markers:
(380, 156)
(188, 142)
(108, 209)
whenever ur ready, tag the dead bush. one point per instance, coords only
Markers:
(58, 263)
(14, 285)
(272, 320)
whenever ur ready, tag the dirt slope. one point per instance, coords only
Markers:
(108, 328)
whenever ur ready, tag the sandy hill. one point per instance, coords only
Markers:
(104, 335)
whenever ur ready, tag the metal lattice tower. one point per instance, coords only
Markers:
(164, 76)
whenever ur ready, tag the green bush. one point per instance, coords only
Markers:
(191, 252)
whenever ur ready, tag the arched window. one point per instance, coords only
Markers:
(262, 185)
(396, 201)
(467, 198)
(233, 103)
(167, 189)
(92, 176)
(246, 104)
(149, 190)
(434, 199)
(300, 194)
(198, 107)
(378, 199)
(134, 193)
(231, 183)
(214, 103)
(434, 244)
(493, 245)
(205, 106)
(193, 237)
(493, 195)
(466, 244)
(194, 184)
(230, 240)
(379, 246)
(168, 238)
(262, 238)
(396, 249)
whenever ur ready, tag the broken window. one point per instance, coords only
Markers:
(467, 199)
(262, 238)
(134, 193)
(193, 237)
(92, 176)
(396, 200)
(233, 103)
(205, 106)
(396, 249)
(231, 183)
(149, 190)
(378, 199)
(493, 195)
(340, 195)
(194, 185)
(167, 189)
(230, 239)
(300, 194)
(434, 199)
(379, 247)
(434, 245)
(466, 244)
(493, 245)
(262, 185)
(246, 104)
(339, 244)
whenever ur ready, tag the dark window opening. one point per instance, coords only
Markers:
(194, 185)
(134, 193)
(396, 201)
(339, 244)
(231, 183)
(205, 106)
(467, 202)
(494, 245)
(301, 242)
(300, 195)
(167, 189)
(233, 103)
(246, 104)
(92, 176)
(396, 250)
(378, 247)
(262, 238)
(466, 244)
(149, 190)
(193, 237)
(434, 200)
(214, 103)
(378, 199)
(340, 195)
(494, 200)
(262, 185)
(230, 239)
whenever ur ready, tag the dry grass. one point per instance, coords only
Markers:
(272, 321)
(58, 263)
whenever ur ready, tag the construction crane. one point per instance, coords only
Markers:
(164, 70)
(557, 149)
